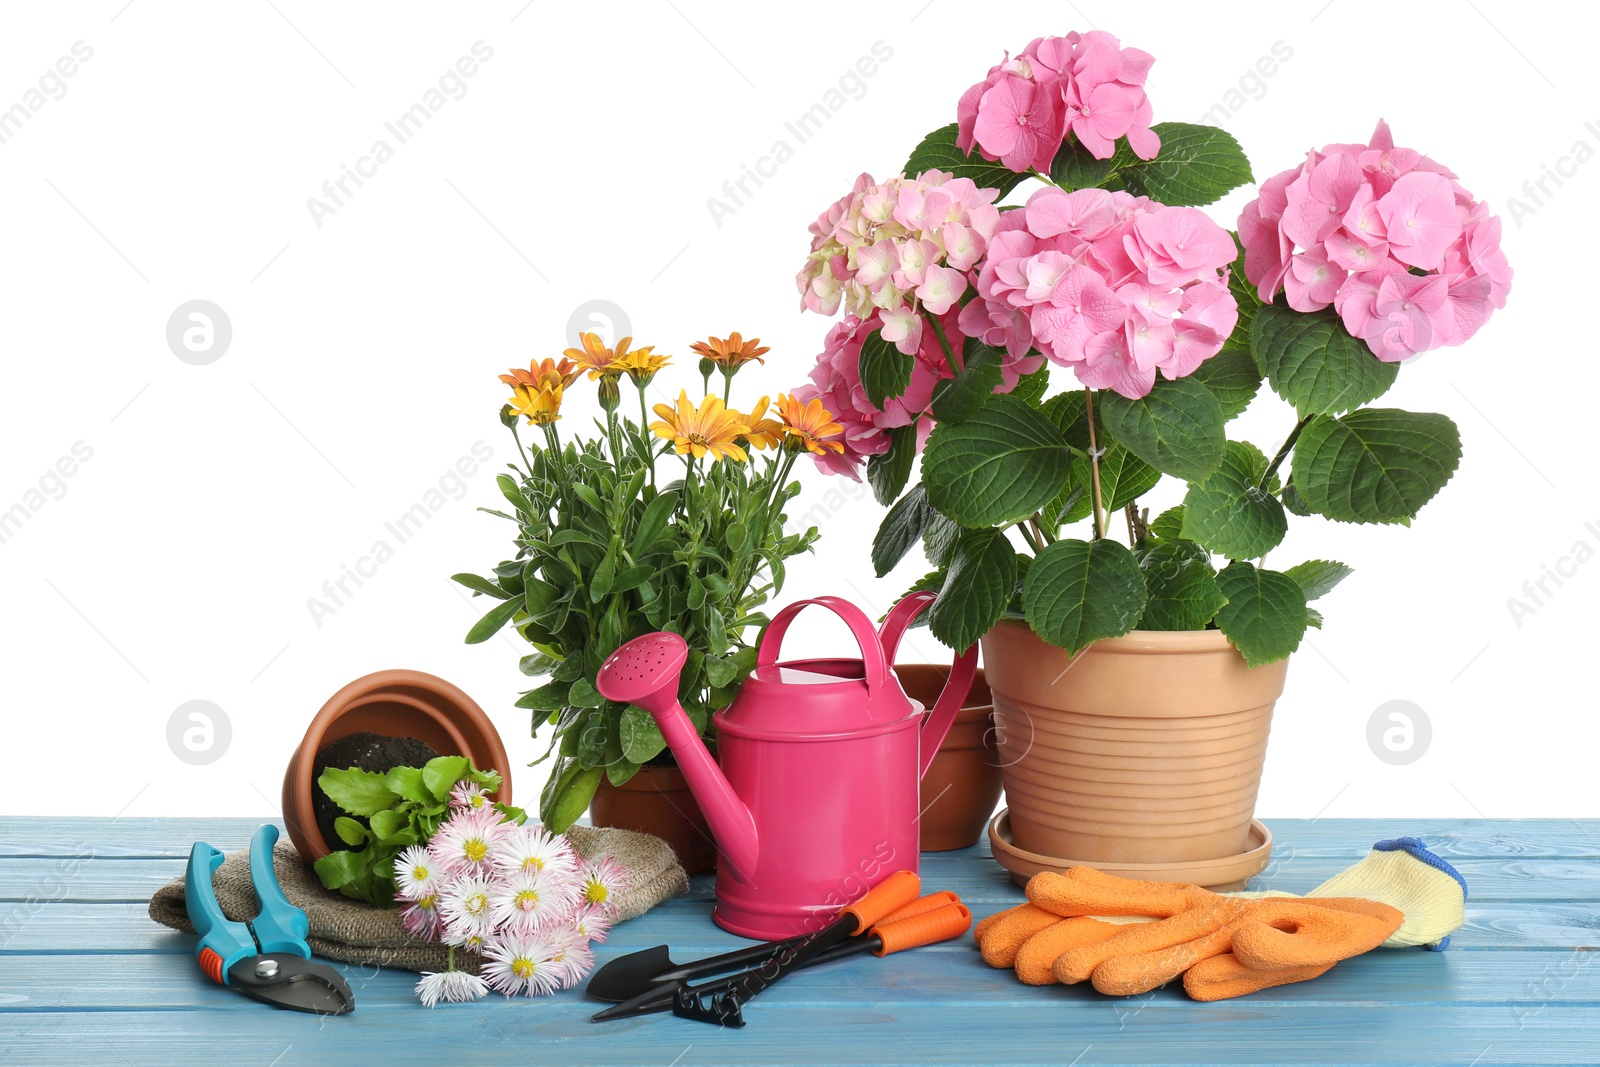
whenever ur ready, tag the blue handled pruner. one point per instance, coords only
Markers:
(266, 958)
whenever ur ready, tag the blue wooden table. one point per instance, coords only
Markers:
(87, 978)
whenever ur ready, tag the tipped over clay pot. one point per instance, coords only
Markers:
(395, 703)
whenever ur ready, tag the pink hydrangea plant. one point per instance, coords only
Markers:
(1112, 285)
(1084, 85)
(890, 251)
(1406, 256)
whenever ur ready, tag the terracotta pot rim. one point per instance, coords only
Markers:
(1144, 642)
(432, 696)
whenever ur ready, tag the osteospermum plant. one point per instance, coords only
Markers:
(673, 520)
(1104, 332)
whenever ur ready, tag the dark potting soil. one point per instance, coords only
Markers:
(370, 752)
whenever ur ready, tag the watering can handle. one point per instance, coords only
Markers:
(874, 665)
(956, 686)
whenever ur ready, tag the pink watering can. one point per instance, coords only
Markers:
(817, 798)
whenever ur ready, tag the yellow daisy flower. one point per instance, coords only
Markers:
(710, 430)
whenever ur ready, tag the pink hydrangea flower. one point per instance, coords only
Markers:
(836, 381)
(1116, 287)
(897, 250)
(1388, 237)
(1084, 85)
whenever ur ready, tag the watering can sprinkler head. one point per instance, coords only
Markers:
(645, 672)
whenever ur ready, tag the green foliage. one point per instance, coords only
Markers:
(616, 537)
(885, 373)
(1232, 377)
(1376, 464)
(1181, 586)
(979, 580)
(1313, 362)
(1265, 616)
(1005, 463)
(901, 528)
(1197, 165)
(888, 472)
(388, 813)
(1077, 592)
(1229, 513)
(1075, 167)
(938, 151)
(1317, 577)
(1177, 428)
(958, 399)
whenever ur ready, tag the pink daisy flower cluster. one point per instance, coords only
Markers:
(896, 249)
(836, 381)
(1084, 84)
(1112, 285)
(1406, 256)
(517, 895)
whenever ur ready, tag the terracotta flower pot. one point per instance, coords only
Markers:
(962, 787)
(393, 703)
(1146, 748)
(657, 801)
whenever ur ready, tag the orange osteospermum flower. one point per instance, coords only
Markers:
(732, 352)
(642, 364)
(809, 425)
(540, 403)
(764, 432)
(711, 429)
(563, 373)
(597, 359)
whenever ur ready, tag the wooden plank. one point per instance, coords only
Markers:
(26, 836)
(978, 880)
(1518, 981)
(127, 836)
(1052, 1030)
(76, 928)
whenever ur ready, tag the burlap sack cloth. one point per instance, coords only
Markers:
(351, 931)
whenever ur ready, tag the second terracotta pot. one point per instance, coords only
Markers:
(962, 785)
(1146, 748)
(657, 800)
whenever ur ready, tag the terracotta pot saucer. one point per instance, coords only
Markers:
(1223, 875)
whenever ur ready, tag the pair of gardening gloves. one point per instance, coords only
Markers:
(1128, 937)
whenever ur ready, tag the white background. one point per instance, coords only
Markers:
(177, 562)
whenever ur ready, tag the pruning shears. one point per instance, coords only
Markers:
(267, 957)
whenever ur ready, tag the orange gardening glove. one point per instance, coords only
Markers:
(1227, 946)
(1237, 947)
(1086, 891)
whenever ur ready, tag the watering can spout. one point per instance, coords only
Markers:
(645, 672)
(731, 822)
